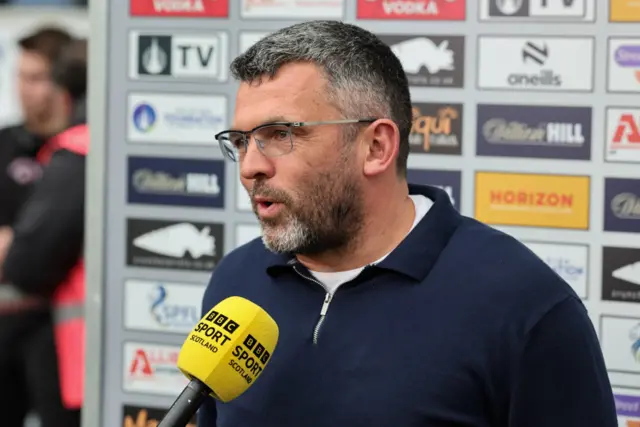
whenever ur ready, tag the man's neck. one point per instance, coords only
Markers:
(380, 234)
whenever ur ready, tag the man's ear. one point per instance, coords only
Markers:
(381, 142)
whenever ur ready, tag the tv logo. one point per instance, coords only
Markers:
(538, 10)
(178, 56)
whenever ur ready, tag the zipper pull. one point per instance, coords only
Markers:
(325, 305)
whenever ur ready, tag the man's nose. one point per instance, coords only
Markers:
(254, 163)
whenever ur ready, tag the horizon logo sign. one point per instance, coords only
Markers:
(532, 200)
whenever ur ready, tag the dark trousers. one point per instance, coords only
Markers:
(29, 372)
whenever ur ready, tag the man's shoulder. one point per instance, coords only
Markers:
(238, 272)
(246, 255)
(499, 269)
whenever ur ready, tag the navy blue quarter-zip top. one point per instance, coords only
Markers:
(460, 325)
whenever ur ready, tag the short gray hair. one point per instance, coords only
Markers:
(365, 78)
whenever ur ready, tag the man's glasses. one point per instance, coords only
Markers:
(272, 139)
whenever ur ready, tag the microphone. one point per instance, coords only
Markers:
(222, 356)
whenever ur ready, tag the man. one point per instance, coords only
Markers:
(45, 256)
(41, 119)
(393, 309)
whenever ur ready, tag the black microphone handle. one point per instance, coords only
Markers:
(186, 404)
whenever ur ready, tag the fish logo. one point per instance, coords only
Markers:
(177, 240)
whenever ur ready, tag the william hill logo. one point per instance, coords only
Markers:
(532, 200)
(437, 128)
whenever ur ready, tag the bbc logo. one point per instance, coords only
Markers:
(222, 321)
(258, 349)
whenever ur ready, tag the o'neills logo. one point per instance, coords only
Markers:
(626, 206)
(434, 130)
(531, 200)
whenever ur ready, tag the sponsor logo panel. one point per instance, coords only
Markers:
(620, 342)
(175, 119)
(284, 9)
(151, 368)
(623, 135)
(427, 10)
(621, 274)
(180, 8)
(9, 104)
(162, 306)
(176, 181)
(243, 201)
(627, 403)
(538, 10)
(557, 64)
(246, 233)
(449, 181)
(622, 205)
(179, 56)
(437, 129)
(624, 11)
(530, 200)
(534, 131)
(430, 61)
(180, 245)
(623, 65)
(569, 261)
(138, 416)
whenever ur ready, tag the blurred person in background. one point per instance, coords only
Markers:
(44, 368)
(20, 144)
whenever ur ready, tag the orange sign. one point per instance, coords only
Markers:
(624, 11)
(529, 200)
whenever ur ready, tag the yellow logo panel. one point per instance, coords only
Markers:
(624, 10)
(530, 200)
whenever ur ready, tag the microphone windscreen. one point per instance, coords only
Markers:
(230, 346)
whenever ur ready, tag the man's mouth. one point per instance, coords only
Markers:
(265, 202)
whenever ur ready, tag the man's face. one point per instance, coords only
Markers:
(307, 201)
(35, 87)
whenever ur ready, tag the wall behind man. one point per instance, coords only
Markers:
(15, 22)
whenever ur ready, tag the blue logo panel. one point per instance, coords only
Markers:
(622, 205)
(449, 181)
(534, 131)
(176, 182)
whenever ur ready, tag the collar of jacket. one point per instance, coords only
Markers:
(417, 253)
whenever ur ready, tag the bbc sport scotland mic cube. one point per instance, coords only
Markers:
(224, 354)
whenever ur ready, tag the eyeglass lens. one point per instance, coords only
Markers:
(272, 140)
